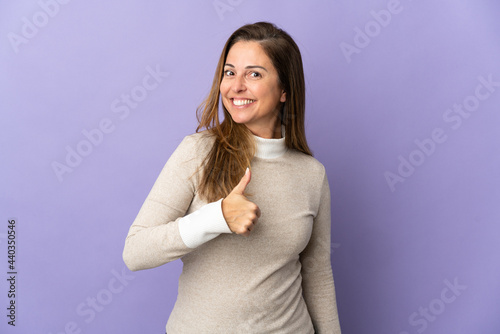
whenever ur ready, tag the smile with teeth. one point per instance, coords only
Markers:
(242, 102)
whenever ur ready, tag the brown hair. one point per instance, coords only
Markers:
(234, 146)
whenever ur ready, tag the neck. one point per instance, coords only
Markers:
(270, 148)
(273, 132)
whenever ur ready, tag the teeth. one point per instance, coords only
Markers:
(242, 102)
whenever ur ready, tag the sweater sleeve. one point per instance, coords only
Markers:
(162, 232)
(317, 278)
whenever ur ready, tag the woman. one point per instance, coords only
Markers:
(255, 242)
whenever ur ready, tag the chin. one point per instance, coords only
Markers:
(238, 118)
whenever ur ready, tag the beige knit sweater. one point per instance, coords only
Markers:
(277, 280)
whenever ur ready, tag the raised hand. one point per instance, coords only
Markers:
(241, 214)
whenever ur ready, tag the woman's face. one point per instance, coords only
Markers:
(250, 89)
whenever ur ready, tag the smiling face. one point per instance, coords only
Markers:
(250, 89)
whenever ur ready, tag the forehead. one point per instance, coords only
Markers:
(245, 53)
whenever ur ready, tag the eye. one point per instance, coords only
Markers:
(255, 74)
(228, 73)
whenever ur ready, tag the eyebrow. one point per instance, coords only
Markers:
(248, 67)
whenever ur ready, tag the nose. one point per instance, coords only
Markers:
(238, 84)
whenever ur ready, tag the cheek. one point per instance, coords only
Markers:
(224, 88)
(264, 91)
(226, 103)
(223, 96)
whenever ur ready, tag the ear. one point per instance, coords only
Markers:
(283, 96)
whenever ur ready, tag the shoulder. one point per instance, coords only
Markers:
(192, 150)
(310, 174)
(196, 143)
(198, 138)
(307, 164)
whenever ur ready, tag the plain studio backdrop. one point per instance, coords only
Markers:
(402, 109)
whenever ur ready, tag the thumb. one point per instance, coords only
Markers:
(245, 180)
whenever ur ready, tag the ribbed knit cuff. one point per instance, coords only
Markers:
(203, 224)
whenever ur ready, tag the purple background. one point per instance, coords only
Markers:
(394, 251)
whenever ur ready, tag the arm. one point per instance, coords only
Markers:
(317, 278)
(161, 232)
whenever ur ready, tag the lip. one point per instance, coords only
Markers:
(241, 98)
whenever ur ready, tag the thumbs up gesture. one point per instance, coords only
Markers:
(240, 214)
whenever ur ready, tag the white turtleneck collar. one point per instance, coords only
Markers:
(270, 148)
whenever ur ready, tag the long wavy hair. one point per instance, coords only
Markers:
(234, 145)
